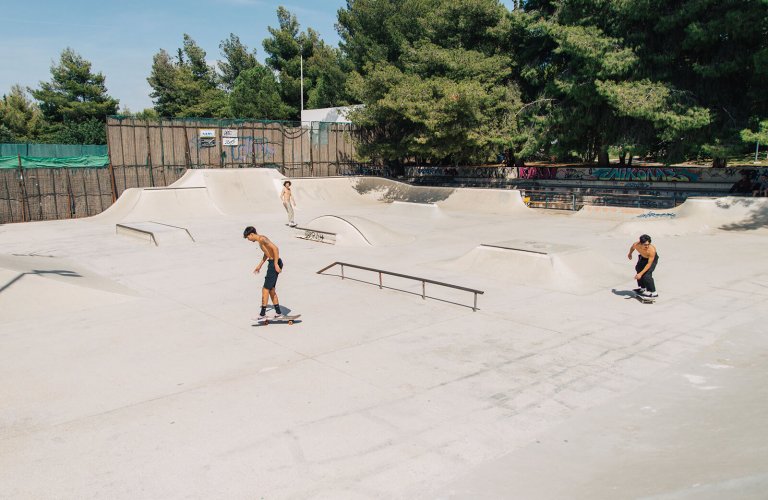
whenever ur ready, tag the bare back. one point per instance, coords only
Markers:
(270, 249)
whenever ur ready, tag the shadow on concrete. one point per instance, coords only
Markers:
(757, 219)
(399, 191)
(624, 293)
(59, 272)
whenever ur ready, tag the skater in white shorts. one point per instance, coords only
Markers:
(288, 202)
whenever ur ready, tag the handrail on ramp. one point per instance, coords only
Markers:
(424, 281)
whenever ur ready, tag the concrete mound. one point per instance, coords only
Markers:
(551, 266)
(701, 215)
(358, 231)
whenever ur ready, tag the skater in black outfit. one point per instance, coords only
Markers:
(647, 260)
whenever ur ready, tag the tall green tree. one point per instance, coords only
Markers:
(20, 118)
(714, 52)
(256, 94)
(236, 59)
(323, 66)
(676, 79)
(75, 102)
(436, 87)
(596, 94)
(376, 31)
(186, 85)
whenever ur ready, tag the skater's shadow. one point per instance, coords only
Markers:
(284, 310)
(620, 293)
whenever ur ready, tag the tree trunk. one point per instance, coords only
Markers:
(623, 158)
(602, 158)
(719, 162)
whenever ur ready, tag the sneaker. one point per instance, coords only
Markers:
(292, 224)
(639, 291)
(260, 317)
(650, 295)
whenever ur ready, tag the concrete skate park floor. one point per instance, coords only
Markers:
(130, 369)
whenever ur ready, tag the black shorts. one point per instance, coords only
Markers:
(270, 281)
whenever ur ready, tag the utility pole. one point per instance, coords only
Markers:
(301, 69)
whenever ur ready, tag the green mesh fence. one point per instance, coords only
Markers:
(91, 161)
(53, 150)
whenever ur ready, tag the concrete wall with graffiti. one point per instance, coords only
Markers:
(619, 175)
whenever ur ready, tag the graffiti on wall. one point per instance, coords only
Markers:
(537, 173)
(248, 149)
(634, 177)
(473, 172)
(642, 174)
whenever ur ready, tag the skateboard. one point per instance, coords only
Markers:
(644, 300)
(278, 319)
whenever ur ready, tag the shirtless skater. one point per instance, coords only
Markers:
(646, 263)
(288, 202)
(274, 268)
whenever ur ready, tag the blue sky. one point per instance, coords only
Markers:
(120, 37)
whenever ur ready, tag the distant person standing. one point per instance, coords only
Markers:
(274, 268)
(288, 202)
(647, 260)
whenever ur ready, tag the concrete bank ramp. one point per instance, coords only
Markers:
(701, 215)
(357, 231)
(238, 190)
(489, 201)
(35, 285)
(610, 213)
(414, 210)
(214, 192)
(551, 266)
(368, 191)
(159, 204)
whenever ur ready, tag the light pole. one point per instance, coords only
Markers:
(301, 70)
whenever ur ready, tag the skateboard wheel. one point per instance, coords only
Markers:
(290, 322)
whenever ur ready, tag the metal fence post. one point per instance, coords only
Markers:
(23, 186)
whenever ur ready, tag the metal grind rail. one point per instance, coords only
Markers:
(424, 281)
